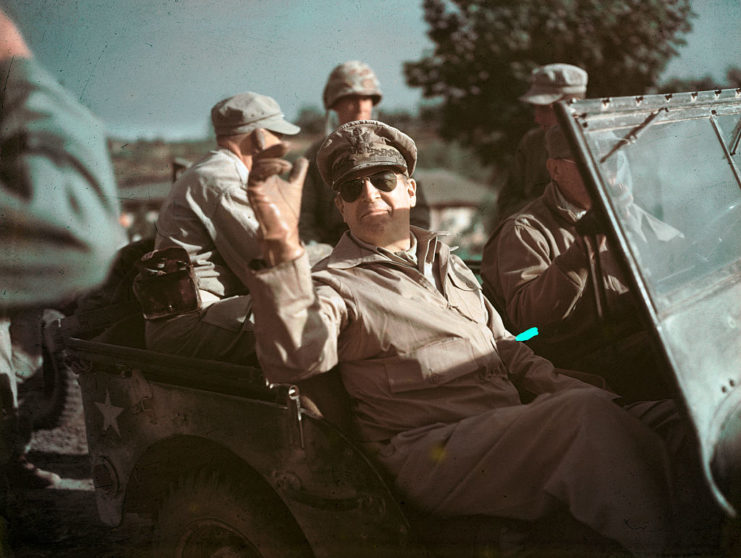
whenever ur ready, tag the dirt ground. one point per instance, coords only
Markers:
(62, 522)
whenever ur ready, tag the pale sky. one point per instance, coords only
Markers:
(153, 68)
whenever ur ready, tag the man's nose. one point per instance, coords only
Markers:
(369, 191)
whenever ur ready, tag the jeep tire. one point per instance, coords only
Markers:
(207, 514)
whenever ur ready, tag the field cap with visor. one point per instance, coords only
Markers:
(553, 82)
(364, 144)
(246, 112)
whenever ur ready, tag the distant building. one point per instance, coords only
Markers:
(457, 206)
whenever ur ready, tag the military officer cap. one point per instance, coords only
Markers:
(553, 82)
(243, 113)
(364, 144)
(557, 145)
(351, 78)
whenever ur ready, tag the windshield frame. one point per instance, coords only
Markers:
(708, 387)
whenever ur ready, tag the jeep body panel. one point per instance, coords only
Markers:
(154, 416)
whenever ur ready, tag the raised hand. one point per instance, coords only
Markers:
(277, 204)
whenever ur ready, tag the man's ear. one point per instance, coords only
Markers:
(412, 190)
(340, 204)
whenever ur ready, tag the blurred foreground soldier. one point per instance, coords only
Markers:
(433, 374)
(352, 90)
(208, 218)
(58, 215)
(528, 175)
(536, 267)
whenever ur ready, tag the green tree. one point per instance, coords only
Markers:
(485, 50)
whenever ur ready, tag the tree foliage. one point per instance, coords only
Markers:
(485, 50)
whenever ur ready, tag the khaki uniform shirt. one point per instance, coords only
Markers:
(208, 214)
(409, 353)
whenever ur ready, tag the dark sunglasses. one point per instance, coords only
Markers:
(350, 189)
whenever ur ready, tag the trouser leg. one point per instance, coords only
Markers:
(576, 448)
(223, 331)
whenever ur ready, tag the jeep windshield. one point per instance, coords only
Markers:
(664, 171)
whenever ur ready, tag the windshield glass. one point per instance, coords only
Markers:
(677, 198)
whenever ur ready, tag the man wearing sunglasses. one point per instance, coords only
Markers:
(432, 373)
(351, 92)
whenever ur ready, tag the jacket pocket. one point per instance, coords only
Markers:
(464, 292)
(430, 365)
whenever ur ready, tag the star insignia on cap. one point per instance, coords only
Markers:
(110, 413)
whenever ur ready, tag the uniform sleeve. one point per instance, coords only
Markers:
(59, 212)
(536, 290)
(297, 322)
(527, 370)
(234, 231)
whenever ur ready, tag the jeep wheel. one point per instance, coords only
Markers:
(207, 516)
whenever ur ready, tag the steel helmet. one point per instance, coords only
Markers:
(351, 78)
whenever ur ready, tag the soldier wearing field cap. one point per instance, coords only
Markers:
(432, 373)
(351, 92)
(528, 175)
(207, 214)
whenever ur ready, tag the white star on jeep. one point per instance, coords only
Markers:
(109, 413)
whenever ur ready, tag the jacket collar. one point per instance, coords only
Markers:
(558, 205)
(349, 252)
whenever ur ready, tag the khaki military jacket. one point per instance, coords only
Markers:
(409, 355)
(537, 273)
(208, 214)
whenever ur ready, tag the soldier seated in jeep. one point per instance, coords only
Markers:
(434, 376)
(208, 217)
(545, 267)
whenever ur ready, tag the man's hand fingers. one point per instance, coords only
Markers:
(262, 169)
(298, 173)
(274, 151)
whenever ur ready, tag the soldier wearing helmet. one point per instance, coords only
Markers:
(351, 92)
(528, 175)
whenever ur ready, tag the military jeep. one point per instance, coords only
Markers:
(229, 465)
